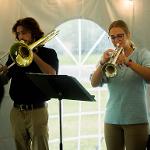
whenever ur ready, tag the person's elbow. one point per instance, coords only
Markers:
(94, 83)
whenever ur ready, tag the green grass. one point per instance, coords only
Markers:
(90, 124)
(65, 59)
(74, 113)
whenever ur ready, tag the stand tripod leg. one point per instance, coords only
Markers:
(60, 120)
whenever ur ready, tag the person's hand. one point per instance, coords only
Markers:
(106, 56)
(122, 59)
(3, 69)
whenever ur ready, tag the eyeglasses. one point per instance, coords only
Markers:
(118, 36)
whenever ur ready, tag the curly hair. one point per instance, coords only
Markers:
(30, 24)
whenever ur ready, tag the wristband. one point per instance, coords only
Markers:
(128, 64)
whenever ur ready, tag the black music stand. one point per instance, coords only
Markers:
(60, 87)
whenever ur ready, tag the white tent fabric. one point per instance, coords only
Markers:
(52, 13)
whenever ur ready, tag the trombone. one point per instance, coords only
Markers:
(22, 54)
(110, 67)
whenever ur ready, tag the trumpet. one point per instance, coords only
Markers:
(22, 54)
(110, 67)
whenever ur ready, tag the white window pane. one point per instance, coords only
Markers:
(79, 46)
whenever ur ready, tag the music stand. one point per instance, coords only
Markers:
(60, 87)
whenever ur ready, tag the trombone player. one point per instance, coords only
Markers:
(126, 122)
(29, 115)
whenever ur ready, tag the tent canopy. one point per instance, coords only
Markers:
(52, 13)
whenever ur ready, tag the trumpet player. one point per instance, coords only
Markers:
(126, 122)
(29, 115)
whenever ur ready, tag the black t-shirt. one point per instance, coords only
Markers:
(22, 89)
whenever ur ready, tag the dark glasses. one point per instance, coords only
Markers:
(118, 36)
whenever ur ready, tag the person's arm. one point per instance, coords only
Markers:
(1, 91)
(144, 72)
(96, 77)
(4, 75)
(44, 67)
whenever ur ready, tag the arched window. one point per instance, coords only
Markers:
(79, 46)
